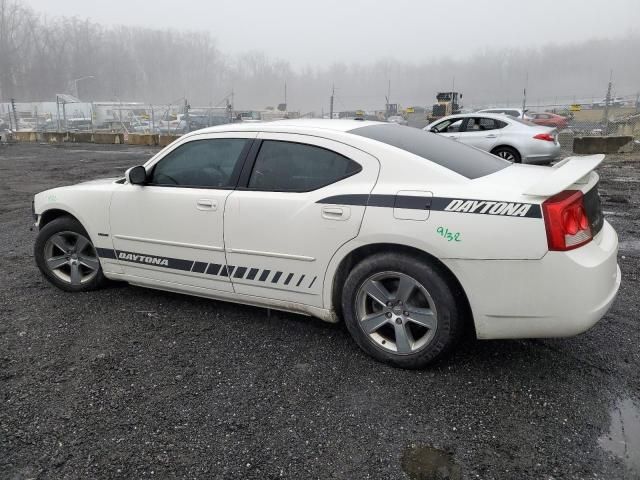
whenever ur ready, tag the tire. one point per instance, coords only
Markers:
(430, 335)
(508, 153)
(63, 243)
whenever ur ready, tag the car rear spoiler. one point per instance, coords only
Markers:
(564, 174)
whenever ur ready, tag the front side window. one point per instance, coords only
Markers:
(298, 167)
(207, 163)
(451, 125)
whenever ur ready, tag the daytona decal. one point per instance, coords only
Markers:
(133, 257)
(491, 208)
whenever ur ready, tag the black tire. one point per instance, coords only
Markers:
(448, 303)
(505, 152)
(66, 224)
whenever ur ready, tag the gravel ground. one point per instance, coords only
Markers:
(134, 383)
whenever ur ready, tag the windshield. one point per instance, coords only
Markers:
(469, 162)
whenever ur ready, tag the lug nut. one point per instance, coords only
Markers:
(398, 320)
(388, 314)
(406, 314)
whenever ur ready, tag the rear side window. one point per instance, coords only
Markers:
(475, 124)
(467, 161)
(298, 167)
(200, 163)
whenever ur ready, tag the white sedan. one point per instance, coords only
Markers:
(513, 139)
(407, 236)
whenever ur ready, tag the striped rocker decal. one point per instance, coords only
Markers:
(251, 273)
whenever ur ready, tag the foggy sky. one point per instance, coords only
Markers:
(319, 32)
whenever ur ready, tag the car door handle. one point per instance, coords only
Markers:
(454, 137)
(206, 204)
(336, 213)
(491, 135)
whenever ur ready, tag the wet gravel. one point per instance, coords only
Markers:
(134, 383)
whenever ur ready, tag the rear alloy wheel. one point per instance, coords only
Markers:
(400, 310)
(66, 256)
(508, 153)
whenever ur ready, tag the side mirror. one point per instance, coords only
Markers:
(136, 175)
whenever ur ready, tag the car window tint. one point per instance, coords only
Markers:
(298, 167)
(200, 163)
(480, 124)
(457, 157)
(448, 126)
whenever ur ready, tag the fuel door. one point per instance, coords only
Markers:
(412, 205)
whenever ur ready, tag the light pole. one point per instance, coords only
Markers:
(75, 83)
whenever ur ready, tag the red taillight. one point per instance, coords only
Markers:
(545, 136)
(566, 221)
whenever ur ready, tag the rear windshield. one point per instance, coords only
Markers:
(467, 161)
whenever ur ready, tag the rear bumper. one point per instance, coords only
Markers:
(542, 155)
(560, 295)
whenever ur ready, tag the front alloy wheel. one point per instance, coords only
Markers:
(67, 258)
(71, 258)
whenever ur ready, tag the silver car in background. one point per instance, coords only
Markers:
(513, 139)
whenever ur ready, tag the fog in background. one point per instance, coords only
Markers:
(163, 51)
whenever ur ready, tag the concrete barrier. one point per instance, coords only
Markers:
(108, 138)
(81, 137)
(25, 136)
(142, 139)
(53, 137)
(611, 144)
(165, 140)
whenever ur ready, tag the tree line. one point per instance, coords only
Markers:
(40, 58)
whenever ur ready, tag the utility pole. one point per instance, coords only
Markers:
(285, 96)
(606, 105)
(388, 109)
(524, 94)
(333, 92)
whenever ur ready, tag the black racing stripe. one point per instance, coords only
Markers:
(300, 281)
(199, 267)
(106, 252)
(264, 275)
(312, 282)
(276, 277)
(446, 204)
(214, 268)
(240, 271)
(252, 273)
(227, 270)
(354, 199)
(289, 277)
(155, 260)
(413, 202)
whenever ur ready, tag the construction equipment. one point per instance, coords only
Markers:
(449, 103)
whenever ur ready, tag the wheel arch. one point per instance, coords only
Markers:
(50, 215)
(358, 254)
(506, 145)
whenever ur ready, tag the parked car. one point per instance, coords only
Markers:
(512, 112)
(399, 119)
(409, 237)
(513, 139)
(550, 120)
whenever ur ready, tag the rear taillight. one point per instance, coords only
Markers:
(545, 136)
(566, 221)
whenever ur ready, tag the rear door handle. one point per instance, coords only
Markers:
(491, 135)
(206, 204)
(336, 213)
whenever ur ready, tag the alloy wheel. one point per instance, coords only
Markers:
(71, 257)
(396, 312)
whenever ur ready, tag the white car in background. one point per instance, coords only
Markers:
(513, 139)
(512, 112)
(409, 237)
